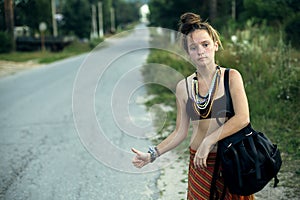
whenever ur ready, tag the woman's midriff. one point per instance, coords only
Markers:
(202, 128)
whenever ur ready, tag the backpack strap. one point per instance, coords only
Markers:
(213, 188)
(187, 87)
(226, 82)
(229, 105)
(213, 193)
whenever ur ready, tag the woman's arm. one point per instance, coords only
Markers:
(177, 136)
(241, 116)
(182, 122)
(237, 122)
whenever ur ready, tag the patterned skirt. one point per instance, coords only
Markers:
(199, 181)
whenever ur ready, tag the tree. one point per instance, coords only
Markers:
(107, 5)
(166, 13)
(9, 20)
(274, 12)
(32, 12)
(212, 10)
(77, 18)
(126, 12)
(9, 15)
(106, 8)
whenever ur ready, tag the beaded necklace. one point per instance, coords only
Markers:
(203, 104)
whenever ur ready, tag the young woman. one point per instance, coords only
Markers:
(201, 101)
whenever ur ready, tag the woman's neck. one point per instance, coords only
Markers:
(206, 72)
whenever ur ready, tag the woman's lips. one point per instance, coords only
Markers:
(201, 58)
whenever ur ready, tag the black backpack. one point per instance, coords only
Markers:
(249, 160)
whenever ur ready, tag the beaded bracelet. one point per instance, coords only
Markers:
(153, 153)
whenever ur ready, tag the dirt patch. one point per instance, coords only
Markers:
(10, 67)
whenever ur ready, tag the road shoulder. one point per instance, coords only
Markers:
(9, 67)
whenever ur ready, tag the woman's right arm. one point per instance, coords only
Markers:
(182, 122)
(177, 136)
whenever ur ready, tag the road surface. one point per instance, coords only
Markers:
(44, 152)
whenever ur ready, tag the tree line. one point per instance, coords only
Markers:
(73, 17)
(278, 14)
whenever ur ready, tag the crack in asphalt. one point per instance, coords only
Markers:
(18, 166)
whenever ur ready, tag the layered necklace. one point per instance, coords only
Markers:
(203, 104)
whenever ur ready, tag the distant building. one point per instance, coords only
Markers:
(21, 31)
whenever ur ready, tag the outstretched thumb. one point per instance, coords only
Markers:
(135, 151)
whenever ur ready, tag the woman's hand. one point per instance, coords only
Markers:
(141, 159)
(202, 152)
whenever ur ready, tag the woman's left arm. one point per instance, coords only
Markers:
(240, 119)
(241, 116)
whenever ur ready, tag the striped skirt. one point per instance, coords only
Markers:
(199, 181)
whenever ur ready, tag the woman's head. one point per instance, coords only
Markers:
(190, 22)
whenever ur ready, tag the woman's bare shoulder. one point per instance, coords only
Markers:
(187, 80)
(234, 74)
(184, 85)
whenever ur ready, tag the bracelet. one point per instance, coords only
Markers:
(153, 153)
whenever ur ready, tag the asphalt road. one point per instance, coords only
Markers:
(48, 150)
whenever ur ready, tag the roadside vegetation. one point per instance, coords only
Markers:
(270, 69)
(75, 48)
(22, 19)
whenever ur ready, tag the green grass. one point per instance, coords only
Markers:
(73, 49)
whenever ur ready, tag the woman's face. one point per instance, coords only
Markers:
(201, 48)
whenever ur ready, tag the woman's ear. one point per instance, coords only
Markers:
(217, 46)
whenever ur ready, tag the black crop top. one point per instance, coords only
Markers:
(222, 107)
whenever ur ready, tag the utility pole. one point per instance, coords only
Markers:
(100, 19)
(54, 24)
(94, 33)
(9, 20)
(112, 20)
(213, 9)
(233, 9)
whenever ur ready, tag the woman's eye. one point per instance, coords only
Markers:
(205, 45)
(193, 48)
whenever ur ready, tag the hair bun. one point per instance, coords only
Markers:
(190, 22)
(190, 18)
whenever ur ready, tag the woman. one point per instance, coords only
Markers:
(201, 101)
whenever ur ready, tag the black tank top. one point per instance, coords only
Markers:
(221, 107)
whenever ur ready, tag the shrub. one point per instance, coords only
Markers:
(292, 30)
(94, 42)
(5, 41)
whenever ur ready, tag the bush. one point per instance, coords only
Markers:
(292, 30)
(5, 41)
(95, 42)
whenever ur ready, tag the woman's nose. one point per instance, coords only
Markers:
(200, 50)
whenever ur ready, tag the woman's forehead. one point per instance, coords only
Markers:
(199, 36)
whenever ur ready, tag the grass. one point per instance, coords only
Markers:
(75, 48)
